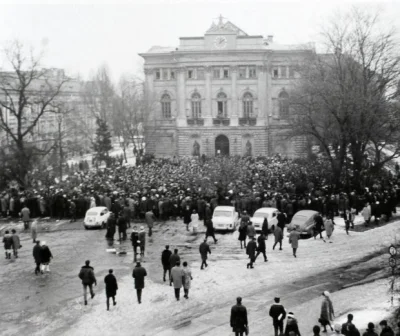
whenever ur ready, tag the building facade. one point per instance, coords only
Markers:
(225, 93)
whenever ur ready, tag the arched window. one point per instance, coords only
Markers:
(222, 105)
(283, 105)
(247, 105)
(196, 105)
(166, 106)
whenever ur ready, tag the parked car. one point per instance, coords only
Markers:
(305, 220)
(262, 213)
(96, 217)
(225, 218)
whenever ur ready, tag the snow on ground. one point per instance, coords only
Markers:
(216, 287)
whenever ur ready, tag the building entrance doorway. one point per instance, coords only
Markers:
(221, 145)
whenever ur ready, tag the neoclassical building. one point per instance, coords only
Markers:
(226, 92)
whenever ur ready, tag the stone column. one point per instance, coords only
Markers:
(262, 95)
(234, 114)
(181, 97)
(208, 101)
(150, 97)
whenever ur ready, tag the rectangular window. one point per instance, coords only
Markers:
(275, 73)
(172, 74)
(242, 72)
(165, 74)
(190, 74)
(158, 74)
(252, 72)
(226, 73)
(216, 73)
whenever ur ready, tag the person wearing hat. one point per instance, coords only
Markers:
(142, 241)
(88, 278)
(204, 249)
(36, 255)
(278, 314)
(370, 331)
(111, 287)
(294, 237)
(251, 250)
(238, 320)
(139, 274)
(292, 327)
(327, 312)
(45, 257)
(165, 255)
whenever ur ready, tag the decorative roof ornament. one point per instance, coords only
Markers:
(222, 27)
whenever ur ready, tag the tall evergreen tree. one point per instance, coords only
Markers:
(102, 144)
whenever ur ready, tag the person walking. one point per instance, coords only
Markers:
(366, 213)
(45, 257)
(165, 255)
(142, 241)
(8, 244)
(187, 216)
(329, 227)
(173, 259)
(242, 233)
(251, 231)
(111, 287)
(204, 249)
(34, 230)
(292, 327)
(251, 252)
(150, 219)
(139, 274)
(25, 215)
(264, 228)
(72, 211)
(318, 225)
(86, 274)
(207, 214)
(16, 243)
(135, 242)
(370, 330)
(210, 230)
(294, 237)
(278, 314)
(327, 312)
(239, 322)
(261, 247)
(177, 277)
(121, 223)
(278, 234)
(36, 256)
(111, 224)
(187, 275)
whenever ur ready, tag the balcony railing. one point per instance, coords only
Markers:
(221, 121)
(195, 121)
(247, 121)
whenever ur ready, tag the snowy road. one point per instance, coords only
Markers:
(53, 306)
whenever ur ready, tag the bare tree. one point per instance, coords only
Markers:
(345, 99)
(27, 94)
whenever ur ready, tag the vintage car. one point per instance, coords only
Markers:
(96, 217)
(225, 218)
(304, 219)
(262, 213)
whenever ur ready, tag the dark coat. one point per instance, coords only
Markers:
(111, 285)
(387, 331)
(242, 232)
(36, 253)
(134, 238)
(292, 326)
(86, 274)
(261, 243)
(138, 274)
(251, 249)
(8, 241)
(264, 228)
(165, 255)
(276, 310)
(121, 224)
(204, 249)
(173, 259)
(187, 216)
(239, 318)
(207, 214)
(210, 228)
(45, 254)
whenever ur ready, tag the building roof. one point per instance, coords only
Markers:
(222, 27)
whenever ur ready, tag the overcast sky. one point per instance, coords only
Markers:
(81, 37)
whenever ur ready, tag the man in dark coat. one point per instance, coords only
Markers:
(386, 330)
(134, 240)
(8, 244)
(278, 314)
(138, 274)
(261, 247)
(16, 242)
(210, 230)
(121, 222)
(264, 228)
(86, 274)
(111, 223)
(281, 218)
(36, 256)
(239, 321)
(165, 255)
(251, 252)
(111, 287)
(150, 219)
(45, 257)
(173, 259)
(204, 249)
(319, 223)
(207, 214)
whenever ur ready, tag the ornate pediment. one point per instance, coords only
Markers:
(226, 27)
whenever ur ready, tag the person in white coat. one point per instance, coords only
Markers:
(366, 213)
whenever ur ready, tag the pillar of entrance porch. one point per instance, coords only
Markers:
(181, 119)
(262, 97)
(207, 103)
(234, 115)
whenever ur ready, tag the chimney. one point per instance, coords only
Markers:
(270, 38)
